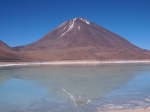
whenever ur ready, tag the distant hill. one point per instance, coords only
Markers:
(3, 45)
(80, 39)
(9, 54)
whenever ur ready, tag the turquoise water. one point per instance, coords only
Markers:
(74, 88)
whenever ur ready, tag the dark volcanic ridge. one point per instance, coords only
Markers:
(79, 39)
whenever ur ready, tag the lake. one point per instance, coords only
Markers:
(69, 88)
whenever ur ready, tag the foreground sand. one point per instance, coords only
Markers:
(77, 62)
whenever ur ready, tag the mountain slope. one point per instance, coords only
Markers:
(3, 45)
(80, 33)
(80, 39)
(8, 54)
(5, 52)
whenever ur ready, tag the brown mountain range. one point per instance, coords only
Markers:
(9, 54)
(77, 39)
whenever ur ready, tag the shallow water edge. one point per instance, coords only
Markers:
(95, 88)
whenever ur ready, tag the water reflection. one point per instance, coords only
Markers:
(62, 87)
(133, 94)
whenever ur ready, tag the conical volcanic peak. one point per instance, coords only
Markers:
(75, 24)
(79, 32)
(72, 24)
(79, 21)
(76, 39)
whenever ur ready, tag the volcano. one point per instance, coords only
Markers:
(80, 39)
(79, 32)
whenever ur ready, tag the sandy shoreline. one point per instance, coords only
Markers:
(93, 62)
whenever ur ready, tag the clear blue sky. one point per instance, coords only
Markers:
(25, 21)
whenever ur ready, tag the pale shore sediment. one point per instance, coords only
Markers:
(132, 110)
(78, 62)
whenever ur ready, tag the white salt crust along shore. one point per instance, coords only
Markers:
(131, 110)
(78, 62)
